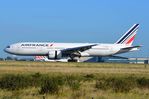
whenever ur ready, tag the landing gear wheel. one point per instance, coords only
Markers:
(72, 60)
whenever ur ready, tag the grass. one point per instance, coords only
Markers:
(39, 80)
(46, 67)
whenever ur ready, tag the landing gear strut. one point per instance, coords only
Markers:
(72, 59)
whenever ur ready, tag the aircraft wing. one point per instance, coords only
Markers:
(77, 49)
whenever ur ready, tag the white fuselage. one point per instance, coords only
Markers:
(34, 49)
(72, 50)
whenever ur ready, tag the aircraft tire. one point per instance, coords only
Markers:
(72, 60)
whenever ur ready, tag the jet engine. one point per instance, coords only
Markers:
(55, 54)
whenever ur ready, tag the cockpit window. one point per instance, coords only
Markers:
(8, 47)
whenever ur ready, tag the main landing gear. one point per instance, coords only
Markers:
(72, 60)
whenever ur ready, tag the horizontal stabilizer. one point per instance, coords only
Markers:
(130, 48)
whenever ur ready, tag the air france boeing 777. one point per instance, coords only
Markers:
(72, 50)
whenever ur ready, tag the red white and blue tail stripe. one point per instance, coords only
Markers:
(129, 36)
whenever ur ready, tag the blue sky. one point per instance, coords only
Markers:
(102, 21)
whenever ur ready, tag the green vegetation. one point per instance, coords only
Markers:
(119, 84)
(37, 80)
(47, 84)
(51, 85)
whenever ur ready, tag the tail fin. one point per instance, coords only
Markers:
(129, 36)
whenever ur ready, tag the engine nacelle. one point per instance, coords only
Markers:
(55, 54)
(83, 54)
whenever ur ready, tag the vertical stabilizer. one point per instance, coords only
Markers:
(129, 36)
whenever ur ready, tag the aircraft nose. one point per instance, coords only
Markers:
(7, 49)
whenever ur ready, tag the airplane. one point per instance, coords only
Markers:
(56, 51)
